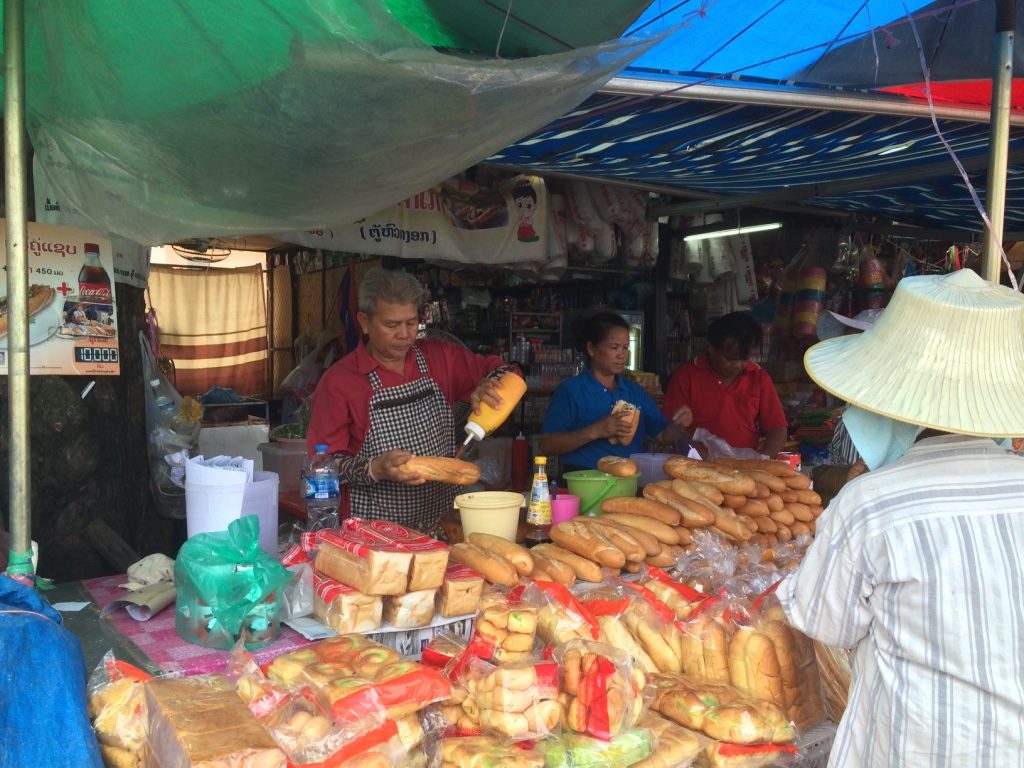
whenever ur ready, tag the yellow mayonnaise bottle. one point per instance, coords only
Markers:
(510, 388)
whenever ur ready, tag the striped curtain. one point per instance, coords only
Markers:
(213, 324)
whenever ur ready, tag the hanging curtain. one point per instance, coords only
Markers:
(213, 324)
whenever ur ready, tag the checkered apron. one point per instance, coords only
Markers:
(414, 417)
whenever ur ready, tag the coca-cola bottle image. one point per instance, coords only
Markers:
(93, 280)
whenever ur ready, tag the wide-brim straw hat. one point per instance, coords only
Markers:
(947, 354)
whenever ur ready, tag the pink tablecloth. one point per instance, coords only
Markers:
(159, 640)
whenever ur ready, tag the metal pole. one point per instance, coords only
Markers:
(999, 136)
(17, 291)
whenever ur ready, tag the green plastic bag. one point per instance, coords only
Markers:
(228, 587)
(574, 750)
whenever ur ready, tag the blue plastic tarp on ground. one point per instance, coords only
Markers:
(43, 721)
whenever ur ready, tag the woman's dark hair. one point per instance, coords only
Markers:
(596, 327)
(736, 329)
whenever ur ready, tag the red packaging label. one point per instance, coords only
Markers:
(608, 607)
(361, 537)
(328, 589)
(689, 594)
(547, 679)
(460, 572)
(663, 612)
(567, 600)
(295, 555)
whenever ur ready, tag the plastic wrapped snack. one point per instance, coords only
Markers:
(602, 692)
(574, 750)
(609, 608)
(413, 609)
(561, 617)
(348, 668)
(682, 599)
(720, 711)
(202, 721)
(515, 700)
(117, 709)
(676, 747)
(505, 627)
(719, 754)
(344, 609)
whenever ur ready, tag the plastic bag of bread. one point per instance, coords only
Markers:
(770, 660)
(655, 626)
(610, 606)
(720, 711)
(343, 608)
(349, 669)
(681, 598)
(603, 693)
(201, 720)
(516, 700)
(302, 723)
(708, 564)
(561, 617)
(834, 668)
(442, 650)
(504, 629)
(117, 709)
(484, 752)
(574, 750)
(298, 595)
(675, 746)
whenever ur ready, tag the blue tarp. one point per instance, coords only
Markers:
(43, 721)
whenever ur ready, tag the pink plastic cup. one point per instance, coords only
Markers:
(564, 506)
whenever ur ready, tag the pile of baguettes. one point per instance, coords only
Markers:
(739, 499)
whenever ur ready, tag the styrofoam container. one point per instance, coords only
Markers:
(284, 457)
(651, 466)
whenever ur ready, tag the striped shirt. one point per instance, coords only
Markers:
(919, 567)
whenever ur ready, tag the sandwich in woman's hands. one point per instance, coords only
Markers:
(626, 410)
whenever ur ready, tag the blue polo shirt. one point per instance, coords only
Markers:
(580, 401)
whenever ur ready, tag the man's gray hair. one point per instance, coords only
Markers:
(390, 285)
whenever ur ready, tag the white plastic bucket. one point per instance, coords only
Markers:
(261, 500)
(493, 512)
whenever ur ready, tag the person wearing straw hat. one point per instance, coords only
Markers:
(918, 565)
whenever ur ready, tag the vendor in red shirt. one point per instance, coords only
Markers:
(727, 394)
(391, 398)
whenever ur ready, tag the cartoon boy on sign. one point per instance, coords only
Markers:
(524, 197)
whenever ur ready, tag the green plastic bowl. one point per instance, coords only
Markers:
(594, 486)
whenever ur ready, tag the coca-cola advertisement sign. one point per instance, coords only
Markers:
(71, 307)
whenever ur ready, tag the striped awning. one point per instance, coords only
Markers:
(887, 165)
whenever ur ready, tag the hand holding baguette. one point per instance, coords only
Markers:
(443, 470)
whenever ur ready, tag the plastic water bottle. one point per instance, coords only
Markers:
(321, 489)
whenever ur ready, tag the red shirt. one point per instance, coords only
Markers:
(739, 414)
(341, 412)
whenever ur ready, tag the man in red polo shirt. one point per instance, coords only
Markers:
(392, 397)
(726, 393)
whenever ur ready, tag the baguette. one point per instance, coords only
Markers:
(774, 482)
(784, 533)
(767, 525)
(734, 501)
(622, 540)
(651, 544)
(774, 502)
(585, 570)
(495, 569)
(771, 466)
(748, 522)
(754, 508)
(587, 542)
(617, 466)
(707, 490)
(808, 497)
(801, 529)
(762, 491)
(666, 534)
(693, 514)
(509, 550)
(783, 516)
(728, 481)
(646, 507)
(685, 537)
(728, 523)
(443, 470)
(800, 512)
(798, 482)
(688, 490)
(557, 570)
(663, 559)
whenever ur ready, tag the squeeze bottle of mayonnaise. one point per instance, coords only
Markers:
(510, 388)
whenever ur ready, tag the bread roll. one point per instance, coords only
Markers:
(555, 570)
(517, 555)
(650, 543)
(621, 539)
(617, 466)
(646, 507)
(443, 470)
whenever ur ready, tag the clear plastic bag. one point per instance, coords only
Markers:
(172, 430)
(603, 693)
(517, 700)
(717, 448)
(117, 709)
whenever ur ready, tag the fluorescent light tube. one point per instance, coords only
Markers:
(734, 231)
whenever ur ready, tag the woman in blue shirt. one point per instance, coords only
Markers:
(579, 421)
